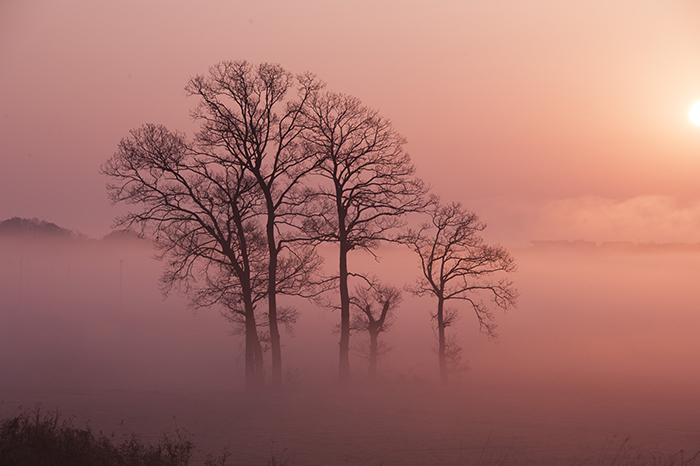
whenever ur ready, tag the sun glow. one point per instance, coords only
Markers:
(695, 113)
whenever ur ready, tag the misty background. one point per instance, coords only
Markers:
(564, 126)
(85, 313)
(603, 345)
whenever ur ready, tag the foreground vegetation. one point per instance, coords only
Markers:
(44, 439)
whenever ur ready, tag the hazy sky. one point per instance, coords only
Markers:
(550, 119)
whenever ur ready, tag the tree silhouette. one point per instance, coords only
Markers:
(366, 187)
(248, 120)
(457, 265)
(202, 216)
(277, 167)
(374, 307)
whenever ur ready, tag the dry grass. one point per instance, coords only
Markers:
(36, 438)
(44, 439)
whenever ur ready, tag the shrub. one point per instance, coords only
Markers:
(43, 439)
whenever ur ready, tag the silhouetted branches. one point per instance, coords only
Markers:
(374, 313)
(457, 265)
(366, 186)
(248, 121)
(202, 216)
(276, 168)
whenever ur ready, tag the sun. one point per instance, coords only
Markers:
(695, 113)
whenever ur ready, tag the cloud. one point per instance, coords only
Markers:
(647, 218)
(660, 219)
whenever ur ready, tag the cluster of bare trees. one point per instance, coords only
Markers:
(279, 166)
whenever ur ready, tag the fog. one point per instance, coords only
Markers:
(551, 120)
(83, 313)
(70, 328)
(603, 345)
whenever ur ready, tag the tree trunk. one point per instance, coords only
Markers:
(373, 350)
(275, 341)
(441, 341)
(259, 362)
(344, 364)
(253, 349)
(250, 366)
(254, 375)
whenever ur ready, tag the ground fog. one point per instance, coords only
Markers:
(603, 346)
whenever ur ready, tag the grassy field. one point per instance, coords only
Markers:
(43, 438)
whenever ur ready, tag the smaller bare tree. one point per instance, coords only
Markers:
(457, 265)
(374, 313)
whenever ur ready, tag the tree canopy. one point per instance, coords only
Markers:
(277, 167)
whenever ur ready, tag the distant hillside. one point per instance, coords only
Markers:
(16, 226)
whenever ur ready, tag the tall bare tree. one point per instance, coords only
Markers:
(457, 265)
(251, 117)
(374, 313)
(202, 216)
(367, 186)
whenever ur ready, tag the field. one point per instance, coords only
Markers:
(401, 423)
(599, 361)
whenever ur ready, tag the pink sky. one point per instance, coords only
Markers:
(550, 119)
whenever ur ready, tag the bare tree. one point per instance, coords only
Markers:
(367, 186)
(374, 305)
(457, 265)
(202, 216)
(249, 118)
(221, 285)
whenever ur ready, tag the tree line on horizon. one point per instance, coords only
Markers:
(279, 166)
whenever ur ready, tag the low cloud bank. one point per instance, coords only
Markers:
(640, 219)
